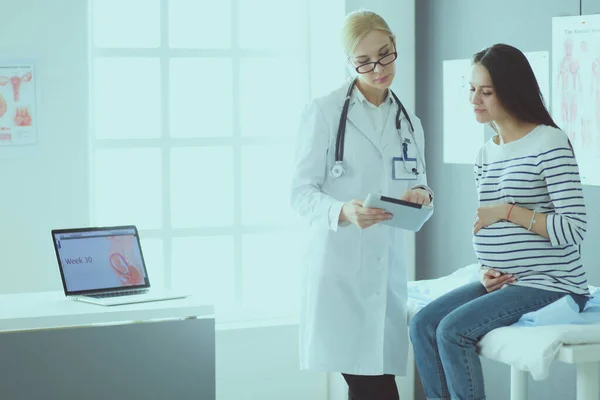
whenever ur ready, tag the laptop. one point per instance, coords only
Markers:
(105, 266)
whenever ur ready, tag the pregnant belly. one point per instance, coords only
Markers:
(504, 245)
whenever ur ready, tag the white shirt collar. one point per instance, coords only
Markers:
(361, 97)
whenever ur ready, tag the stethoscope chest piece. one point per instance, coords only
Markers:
(337, 170)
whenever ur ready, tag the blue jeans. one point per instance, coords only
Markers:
(444, 334)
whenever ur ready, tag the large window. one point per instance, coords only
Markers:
(195, 107)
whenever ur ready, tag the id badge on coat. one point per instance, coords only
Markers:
(404, 169)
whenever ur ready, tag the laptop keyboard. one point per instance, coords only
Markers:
(117, 294)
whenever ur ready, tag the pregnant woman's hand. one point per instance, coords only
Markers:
(494, 280)
(489, 215)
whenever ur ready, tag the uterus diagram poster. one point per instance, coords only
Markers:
(18, 124)
(576, 88)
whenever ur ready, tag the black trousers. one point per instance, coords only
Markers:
(378, 387)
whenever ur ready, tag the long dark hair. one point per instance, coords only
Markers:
(514, 84)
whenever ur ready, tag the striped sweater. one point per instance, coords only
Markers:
(538, 172)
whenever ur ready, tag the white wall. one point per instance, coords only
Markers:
(45, 186)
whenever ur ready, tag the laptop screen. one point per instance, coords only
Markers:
(98, 259)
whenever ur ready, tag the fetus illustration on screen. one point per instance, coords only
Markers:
(569, 80)
(123, 260)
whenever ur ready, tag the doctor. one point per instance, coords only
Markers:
(354, 291)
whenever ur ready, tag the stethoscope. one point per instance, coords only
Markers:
(338, 170)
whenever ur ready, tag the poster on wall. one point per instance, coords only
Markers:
(576, 88)
(463, 135)
(17, 103)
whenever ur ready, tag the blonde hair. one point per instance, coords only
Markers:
(358, 24)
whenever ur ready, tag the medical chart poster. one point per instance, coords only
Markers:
(463, 135)
(18, 123)
(576, 88)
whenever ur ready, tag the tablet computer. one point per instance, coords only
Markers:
(405, 215)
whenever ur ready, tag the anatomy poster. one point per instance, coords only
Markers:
(463, 135)
(17, 103)
(576, 88)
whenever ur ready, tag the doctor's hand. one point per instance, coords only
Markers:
(488, 215)
(355, 213)
(494, 280)
(419, 196)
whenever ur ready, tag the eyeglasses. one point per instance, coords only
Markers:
(385, 60)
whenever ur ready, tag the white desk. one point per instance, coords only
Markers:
(51, 310)
(164, 349)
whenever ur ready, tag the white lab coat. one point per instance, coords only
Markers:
(354, 288)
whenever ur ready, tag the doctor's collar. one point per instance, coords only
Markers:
(359, 96)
